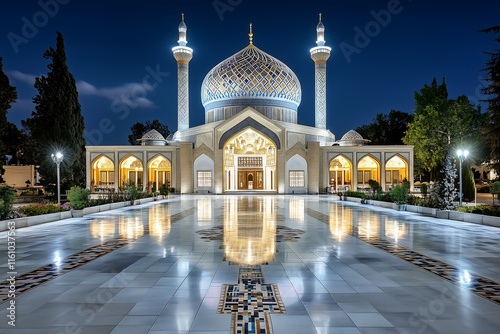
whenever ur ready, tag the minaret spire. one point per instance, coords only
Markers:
(320, 55)
(320, 32)
(182, 55)
(250, 34)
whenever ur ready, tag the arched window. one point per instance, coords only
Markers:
(340, 174)
(103, 174)
(396, 170)
(368, 169)
(131, 172)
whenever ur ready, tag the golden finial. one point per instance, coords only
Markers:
(250, 34)
(319, 17)
(183, 16)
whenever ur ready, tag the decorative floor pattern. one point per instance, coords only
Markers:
(283, 233)
(250, 302)
(481, 286)
(35, 278)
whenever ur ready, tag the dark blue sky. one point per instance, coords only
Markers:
(113, 46)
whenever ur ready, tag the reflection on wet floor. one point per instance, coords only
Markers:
(257, 264)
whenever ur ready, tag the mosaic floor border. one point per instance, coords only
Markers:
(250, 301)
(481, 286)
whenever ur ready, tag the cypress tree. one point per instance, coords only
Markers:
(469, 185)
(57, 124)
(493, 91)
(447, 189)
(8, 95)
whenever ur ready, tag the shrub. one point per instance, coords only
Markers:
(39, 209)
(354, 194)
(400, 194)
(6, 199)
(78, 197)
(375, 186)
(164, 190)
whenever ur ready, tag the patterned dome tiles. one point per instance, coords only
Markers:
(251, 73)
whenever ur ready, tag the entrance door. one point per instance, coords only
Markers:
(250, 180)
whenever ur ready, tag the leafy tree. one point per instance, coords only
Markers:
(7, 196)
(139, 129)
(12, 138)
(8, 95)
(386, 129)
(440, 124)
(448, 192)
(57, 124)
(493, 91)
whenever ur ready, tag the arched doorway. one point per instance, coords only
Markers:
(396, 170)
(368, 169)
(131, 172)
(103, 174)
(159, 173)
(249, 162)
(340, 174)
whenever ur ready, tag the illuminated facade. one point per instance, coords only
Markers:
(251, 140)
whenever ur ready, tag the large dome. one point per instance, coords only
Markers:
(252, 78)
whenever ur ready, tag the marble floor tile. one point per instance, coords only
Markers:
(335, 267)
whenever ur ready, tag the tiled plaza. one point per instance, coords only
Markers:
(252, 264)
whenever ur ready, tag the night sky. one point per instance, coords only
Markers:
(382, 52)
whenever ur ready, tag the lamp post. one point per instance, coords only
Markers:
(461, 156)
(58, 158)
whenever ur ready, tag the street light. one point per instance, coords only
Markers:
(58, 158)
(461, 156)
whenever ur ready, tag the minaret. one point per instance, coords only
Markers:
(182, 55)
(320, 55)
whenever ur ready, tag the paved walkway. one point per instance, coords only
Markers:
(266, 264)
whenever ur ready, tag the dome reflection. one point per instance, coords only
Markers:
(249, 230)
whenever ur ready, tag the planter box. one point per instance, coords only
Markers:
(104, 207)
(473, 218)
(40, 219)
(412, 208)
(428, 211)
(77, 213)
(146, 200)
(491, 221)
(118, 205)
(455, 215)
(90, 210)
(66, 214)
(353, 199)
(443, 214)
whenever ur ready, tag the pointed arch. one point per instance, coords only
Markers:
(368, 168)
(249, 159)
(249, 123)
(131, 171)
(296, 174)
(203, 174)
(159, 172)
(340, 171)
(396, 170)
(103, 173)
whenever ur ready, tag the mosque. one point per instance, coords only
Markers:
(251, 141)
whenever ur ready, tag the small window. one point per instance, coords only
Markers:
(297, 179)
(204, 179)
